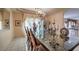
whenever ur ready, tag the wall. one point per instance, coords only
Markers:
(78, 26)
(6, 35)
(18, 32)
(59, 20)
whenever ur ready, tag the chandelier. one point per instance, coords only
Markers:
(40, 12)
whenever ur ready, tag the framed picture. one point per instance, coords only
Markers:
(17, 22)
(7, 22)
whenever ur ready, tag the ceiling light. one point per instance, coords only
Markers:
(39, 12)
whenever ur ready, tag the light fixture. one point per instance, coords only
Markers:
(40, 12)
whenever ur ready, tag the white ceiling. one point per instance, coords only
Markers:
(46, 11)
(72, 13)
(42, 9)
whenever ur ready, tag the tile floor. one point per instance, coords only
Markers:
(73, 40)
(17, 44)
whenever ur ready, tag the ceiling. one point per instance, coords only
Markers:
(72, 13)
(42, 9)
(46, 11)
(34, 10)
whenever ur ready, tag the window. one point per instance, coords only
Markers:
(0, 25)
(38, 25)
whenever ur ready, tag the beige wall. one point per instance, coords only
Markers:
(6, 35)
(5, 17)
(18, 32)
(0, 17)
(59, 19)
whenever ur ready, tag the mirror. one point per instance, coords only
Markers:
(4, 19)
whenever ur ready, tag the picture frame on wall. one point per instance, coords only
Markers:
(7, 22)
(17, 22)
